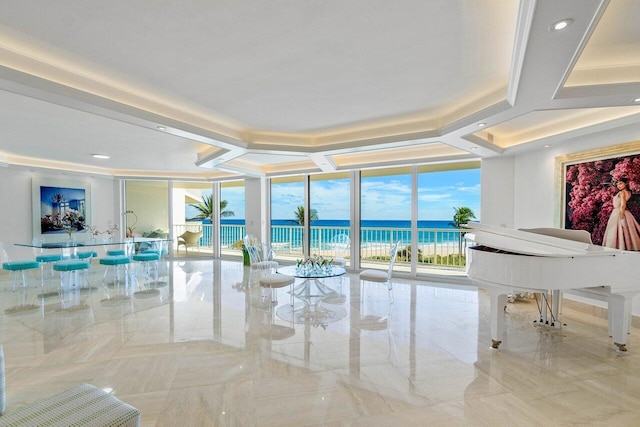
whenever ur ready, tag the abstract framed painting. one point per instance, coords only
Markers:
(600, 193)
(60, 208)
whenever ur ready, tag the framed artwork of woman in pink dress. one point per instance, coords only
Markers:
(623, 231)
(603, 197)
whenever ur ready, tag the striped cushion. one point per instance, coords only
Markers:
(82, 405)
(20, 265)
(70, 265)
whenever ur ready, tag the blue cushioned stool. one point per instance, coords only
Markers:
(19, 268)
(50, 259)
(146, 258)
(116, 252)
(71, 267)
(86, 255)
(115, 262)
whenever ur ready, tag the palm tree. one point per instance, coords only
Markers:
(299, 214)
(461, 218)
(206, 208)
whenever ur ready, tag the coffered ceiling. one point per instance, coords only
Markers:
(216, 90)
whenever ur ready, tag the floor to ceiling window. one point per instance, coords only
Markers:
(447, 194)
(422, 217)
(232, 216)
(385, 216)
(287, 216)
(330, 211)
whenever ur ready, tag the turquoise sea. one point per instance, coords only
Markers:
(372, 231)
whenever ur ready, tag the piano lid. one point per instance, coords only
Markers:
(529, 243)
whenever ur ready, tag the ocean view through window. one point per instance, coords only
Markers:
(386, 206)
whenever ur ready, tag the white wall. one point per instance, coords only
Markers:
(497, 204)
(253, 188)
(15, 192)
(150, 202)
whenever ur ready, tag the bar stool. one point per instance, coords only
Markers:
(115, 262)
(145, 258)
(19, 269)
(116, 252)
(50, 259)
(72, 267)
(88, 255)
(18, 262)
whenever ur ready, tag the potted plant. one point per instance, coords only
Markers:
(245, 254)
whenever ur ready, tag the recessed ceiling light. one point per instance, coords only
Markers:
(636, 100)
(100, 156)
(547, 145)
(473, 148)
(561, 25)
(481, 125)
(161, 128)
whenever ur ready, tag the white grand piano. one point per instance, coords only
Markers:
(505, 261)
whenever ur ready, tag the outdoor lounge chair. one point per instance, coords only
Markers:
(189, 239)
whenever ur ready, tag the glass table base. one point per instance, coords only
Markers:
(318, 314)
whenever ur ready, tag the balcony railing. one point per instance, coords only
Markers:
(437, 247)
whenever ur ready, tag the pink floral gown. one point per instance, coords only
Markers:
(617, 236)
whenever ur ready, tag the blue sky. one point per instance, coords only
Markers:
(383, 197)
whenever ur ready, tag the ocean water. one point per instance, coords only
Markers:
(372, 231)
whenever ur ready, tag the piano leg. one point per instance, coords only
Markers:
(498, 303)
(619, 315)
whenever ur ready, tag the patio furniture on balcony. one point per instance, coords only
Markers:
(189, 239)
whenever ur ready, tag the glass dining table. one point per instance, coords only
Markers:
(75, 244)
(320, 304)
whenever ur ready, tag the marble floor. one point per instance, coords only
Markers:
(200, 347)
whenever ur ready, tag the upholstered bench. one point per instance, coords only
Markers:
(82, 405)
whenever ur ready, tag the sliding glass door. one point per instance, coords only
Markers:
(329, 199)
(385, 217)
(232, 217)
(287, 216)
(448, 197)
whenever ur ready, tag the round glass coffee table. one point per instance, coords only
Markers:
(319, 303)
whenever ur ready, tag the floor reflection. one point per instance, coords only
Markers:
(197, 345)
